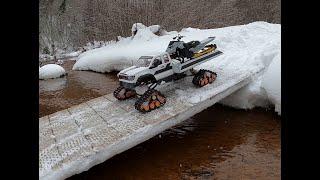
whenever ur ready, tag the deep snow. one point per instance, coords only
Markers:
(272, 82)
(257, 44)
(51, 71)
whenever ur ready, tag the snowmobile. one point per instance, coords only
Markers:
(179, 49)
(175, 63)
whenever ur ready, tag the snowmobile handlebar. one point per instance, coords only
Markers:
(179, 37)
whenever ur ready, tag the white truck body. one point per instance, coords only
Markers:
(160, 68)
(177, 62)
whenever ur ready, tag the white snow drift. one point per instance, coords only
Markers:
(272, 83)
(253, 45)
(51, 71)
(265, 90)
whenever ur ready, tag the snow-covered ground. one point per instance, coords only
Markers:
(72, 55)
(60, 55)
(51, 71)
(251, 45)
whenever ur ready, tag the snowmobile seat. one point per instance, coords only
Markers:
(191, 44)
(184, 52)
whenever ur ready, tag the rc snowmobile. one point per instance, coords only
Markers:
(177, 62)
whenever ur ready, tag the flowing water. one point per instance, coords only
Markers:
(218, 143)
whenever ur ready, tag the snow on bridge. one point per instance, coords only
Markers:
(77, 138)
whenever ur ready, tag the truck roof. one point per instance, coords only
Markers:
(153, 55)
(146, 56)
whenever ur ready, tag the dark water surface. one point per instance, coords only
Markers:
(75, 88)
(218, 143)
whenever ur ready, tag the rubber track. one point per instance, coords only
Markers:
(200, 75)
(147, 97)
(117, 91)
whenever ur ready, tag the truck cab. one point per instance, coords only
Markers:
(147, 69)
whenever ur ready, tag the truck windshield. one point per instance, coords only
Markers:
(144, 61)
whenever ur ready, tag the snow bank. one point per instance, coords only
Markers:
(248, 97)
(136, 27)
(164, 32)
(51, 71)
(120, 55)
(72, 54)
(190, 29)
(265, 90)
(144, 35)
(271, 82)
(154, 28)
(251, 46)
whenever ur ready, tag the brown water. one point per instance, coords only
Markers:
(218, 143)
(75, 88)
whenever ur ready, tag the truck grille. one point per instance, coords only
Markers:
(121, 76)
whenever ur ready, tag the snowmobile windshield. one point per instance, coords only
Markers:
(144, 61)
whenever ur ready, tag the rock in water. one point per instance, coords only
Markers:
(51, 71)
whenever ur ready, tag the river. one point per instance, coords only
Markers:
(218, 143)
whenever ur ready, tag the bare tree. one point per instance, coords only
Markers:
(73, 23)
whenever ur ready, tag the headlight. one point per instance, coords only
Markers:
(130, 78)
(125, 77)
(121, 76)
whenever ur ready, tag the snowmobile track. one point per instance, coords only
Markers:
(150, 100)
(75, 139)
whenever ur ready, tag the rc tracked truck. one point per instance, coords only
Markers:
(177, 62)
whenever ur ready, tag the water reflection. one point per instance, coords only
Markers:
(75, 88)
(52, 84)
